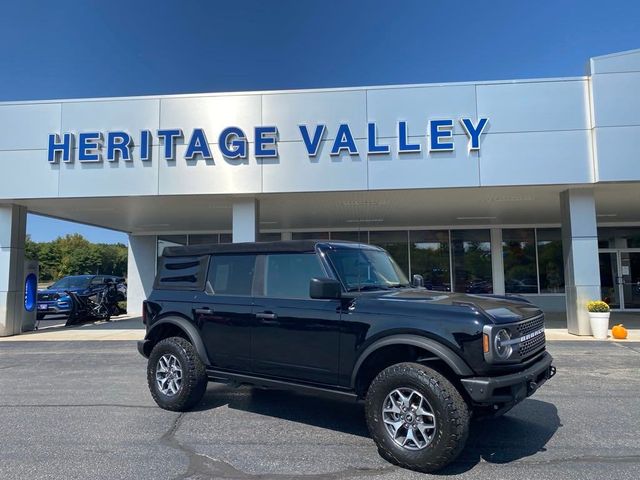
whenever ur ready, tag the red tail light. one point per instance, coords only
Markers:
(144, 312)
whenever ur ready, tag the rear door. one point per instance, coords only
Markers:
(223, 311)
(295, 337)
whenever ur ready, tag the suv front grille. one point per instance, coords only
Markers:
(531, 345)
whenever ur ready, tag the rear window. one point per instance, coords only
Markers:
(182, 273)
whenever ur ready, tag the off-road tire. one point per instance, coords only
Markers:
(450, 410)
(194, 376)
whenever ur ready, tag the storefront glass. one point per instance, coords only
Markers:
(550, 260)
(519, 257)
(472, 271)
(429, 252)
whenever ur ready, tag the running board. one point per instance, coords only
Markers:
(221, 376)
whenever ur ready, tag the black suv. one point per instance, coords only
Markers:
(341, 319)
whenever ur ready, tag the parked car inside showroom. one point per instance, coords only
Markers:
(54, 301)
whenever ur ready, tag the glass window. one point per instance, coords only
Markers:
(430, 258)
(165, 241)
(203, 239)
(396, 243)
(619, 237)
(519, 257)
(269, 237)
(310, 236)
(78, 283)
(472, 261)
(288, 275)
(181, 273)
(226, 238)
(361, 236)
(364, 268)
(63, 283)
(550, 260)
(232, 274)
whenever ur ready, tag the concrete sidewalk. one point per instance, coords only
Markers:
(131, 328)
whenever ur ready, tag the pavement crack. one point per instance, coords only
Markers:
(204, 467)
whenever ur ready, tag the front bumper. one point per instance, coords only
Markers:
(53, 308)
(510, 389)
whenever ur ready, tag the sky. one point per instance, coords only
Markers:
(88, 48)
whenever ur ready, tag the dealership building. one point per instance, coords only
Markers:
(527, 187)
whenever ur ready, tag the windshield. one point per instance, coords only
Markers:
(364, 269)
(72, 283)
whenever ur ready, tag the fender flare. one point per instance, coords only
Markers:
(448, 356)
(188, 328)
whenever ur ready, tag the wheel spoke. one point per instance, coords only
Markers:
(410, 437)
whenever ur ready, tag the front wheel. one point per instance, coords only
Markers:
(176, 376)
(416, 417)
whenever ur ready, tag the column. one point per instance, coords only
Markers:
(245, 220)
(580, 250)
(141, 271)
(13, 230)
(497, 261)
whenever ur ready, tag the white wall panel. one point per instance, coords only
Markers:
(537, 158)
(425, 170)
(219, 175)
(27, 174)
(418, 105)
(211, 113)
(536, 106)
(110, 179)
(28, 126)
(295, 172)
(618, 153)
(617, 62)
(288, 110)
(616, 99)
(128, 115)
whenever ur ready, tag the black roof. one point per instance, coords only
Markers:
(292, 246)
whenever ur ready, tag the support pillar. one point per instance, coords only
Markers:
(497, 261)
(141, 271)
(245, 220)
(13, 231)
(580, 250)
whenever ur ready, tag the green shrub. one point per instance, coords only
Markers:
(597, 306)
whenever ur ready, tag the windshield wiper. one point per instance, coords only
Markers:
(366, 287)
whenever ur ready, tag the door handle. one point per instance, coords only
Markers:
(267, 315)
(202, 311)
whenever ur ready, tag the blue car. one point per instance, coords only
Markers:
(54, 300)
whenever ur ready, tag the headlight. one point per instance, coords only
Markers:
(501, 346)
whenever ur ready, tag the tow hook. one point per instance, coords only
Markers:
(531, 387)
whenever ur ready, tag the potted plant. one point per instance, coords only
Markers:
(599, 318)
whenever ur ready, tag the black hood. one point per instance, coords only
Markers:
(500, 309)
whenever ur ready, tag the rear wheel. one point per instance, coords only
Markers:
(417, 418)
(176, 375)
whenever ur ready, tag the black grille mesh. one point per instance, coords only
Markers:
(534, 344)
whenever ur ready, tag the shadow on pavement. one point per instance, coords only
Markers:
(520, 433)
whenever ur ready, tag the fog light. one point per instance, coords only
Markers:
(502, 349)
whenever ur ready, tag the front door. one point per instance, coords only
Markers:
(620, 278)
(295, 337)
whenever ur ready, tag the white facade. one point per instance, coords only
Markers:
(543, 137)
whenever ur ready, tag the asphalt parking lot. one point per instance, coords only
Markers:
(78, 410)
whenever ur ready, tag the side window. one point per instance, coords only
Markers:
(232, 274)
(287, 275)
(181, 273)
(97, 281)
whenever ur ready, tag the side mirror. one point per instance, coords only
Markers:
(418, 281)
(325, 288)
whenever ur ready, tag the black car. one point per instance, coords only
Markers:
(341, 319)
